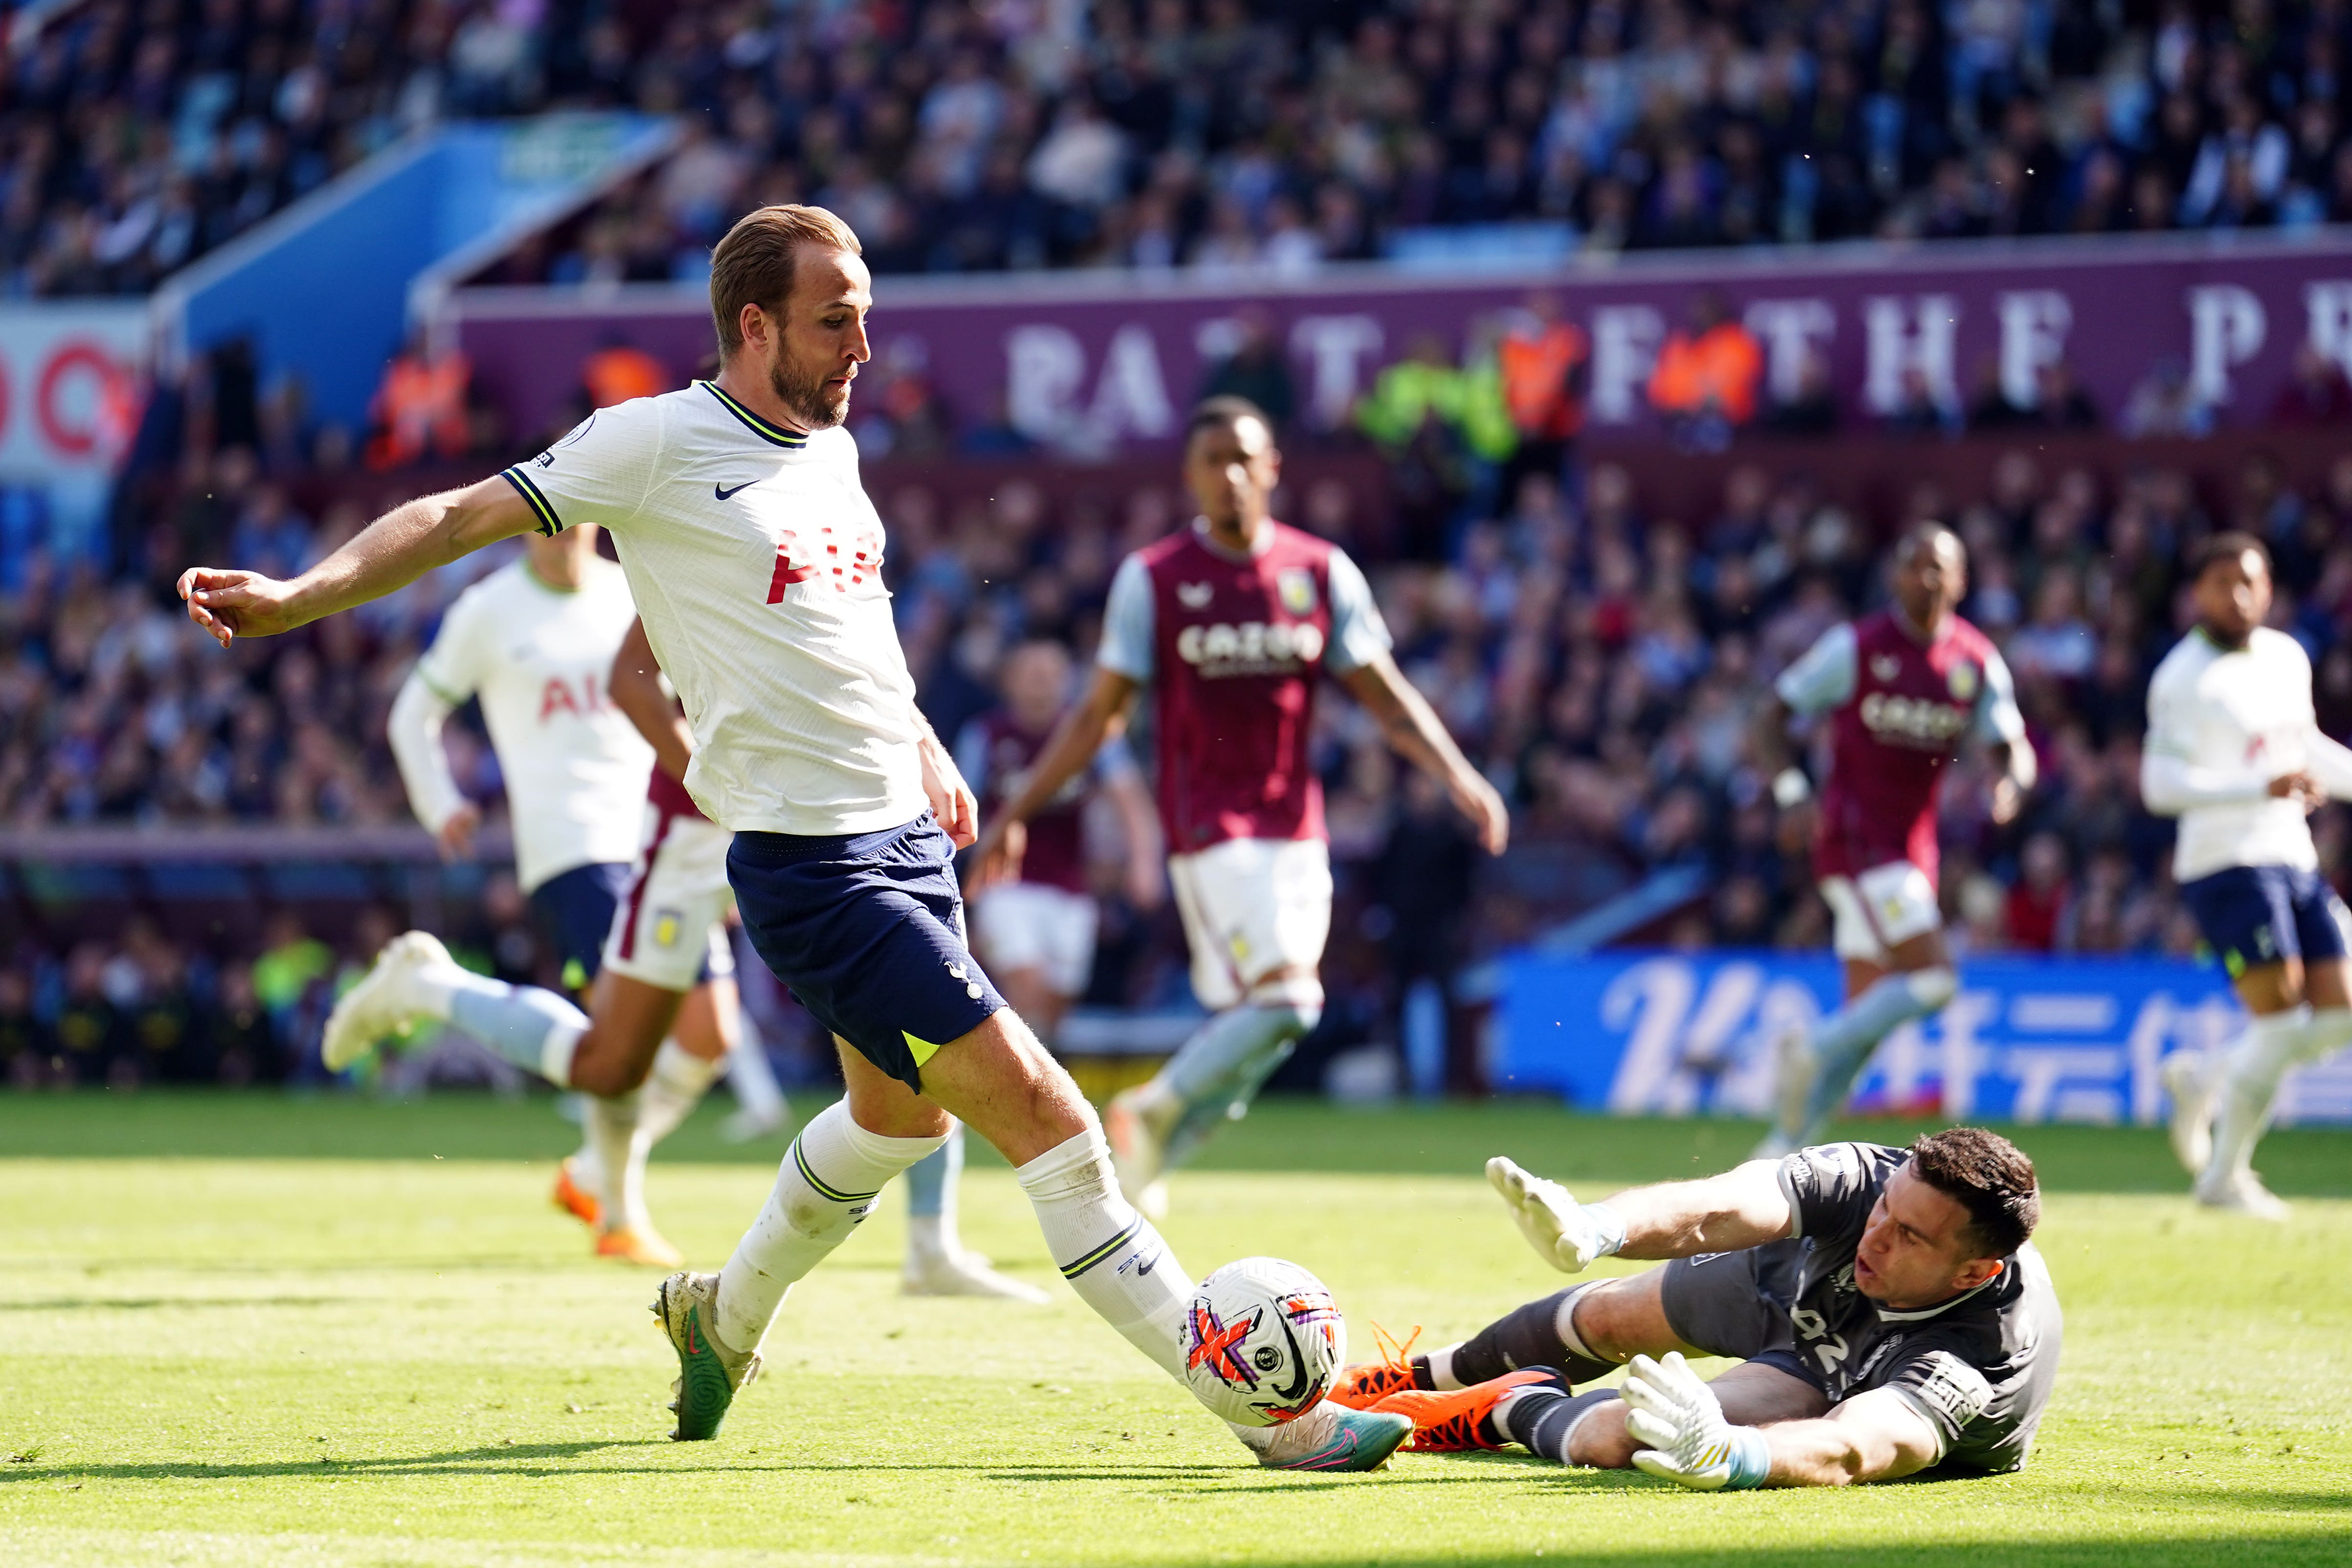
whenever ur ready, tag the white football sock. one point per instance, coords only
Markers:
(674, 1086)
(1841, 1043)
(748, 1074)
(830, 1177)
(612, 1123)
(931, 1199)
(2249, 1078)
(1109, 1254)
(534, 1029)
(1441, 1369)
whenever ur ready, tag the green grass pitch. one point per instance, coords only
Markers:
(256, 1329)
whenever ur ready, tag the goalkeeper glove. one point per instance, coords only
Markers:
(1566, 1234)
(1689, 1441)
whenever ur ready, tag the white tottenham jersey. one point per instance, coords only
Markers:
(756, 559)
(2232, 720)
(538, 657)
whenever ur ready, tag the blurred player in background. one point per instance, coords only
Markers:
(1903, 687)
(1231, 621)
(1036, 928)
(536, 641)
(2234, 750)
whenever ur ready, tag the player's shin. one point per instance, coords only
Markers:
(1224, 1064)
(932, 1198)
(1842, 1042)
(1541, 1334)
(1110, 1255)
(2250, 1082)
(675, 1085)
(827, 1184)
(1543, 1420)
(534, 1029)
(613, 1124)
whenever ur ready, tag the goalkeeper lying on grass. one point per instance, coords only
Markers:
(1890, 1312)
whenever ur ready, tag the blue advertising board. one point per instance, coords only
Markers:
(2027, 1039)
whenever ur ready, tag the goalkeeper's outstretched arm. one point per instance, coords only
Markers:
(1743, 1207)
(1875, 1437)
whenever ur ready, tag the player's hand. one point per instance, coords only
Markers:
(1477, 799)
(2008, 800)
(1566, 1234)
(1681, 1420)
(456, 835)
(952, 799)
(998, 858)
(230, 604)
(2300, 787)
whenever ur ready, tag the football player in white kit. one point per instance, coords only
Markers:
(2234, 750)
(678, 888)
(755, 558)
(535, 641)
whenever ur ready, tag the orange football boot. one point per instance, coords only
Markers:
(1366, 1384)
(575, 1199)
(1451, 1422)
(642, 1247)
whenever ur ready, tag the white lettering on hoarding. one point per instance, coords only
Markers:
(2327, 311)
(1043, 366)
(2227, 326)
(1625, 341)
(1337, 348)
(1789, 329)
(1902, 339)
(1131, 399)
(2033, 327)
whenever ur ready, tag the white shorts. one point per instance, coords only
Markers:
(1252, 906)
(669, 930)
(1028, 925)
(1880, 910)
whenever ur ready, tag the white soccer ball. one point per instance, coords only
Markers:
(1262, 1340)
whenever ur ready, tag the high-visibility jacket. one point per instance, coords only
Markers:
(421, 408)
(616, 374)
(1715, 372)
(1537, 367)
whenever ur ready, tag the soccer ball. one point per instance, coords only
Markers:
(1262, 1340)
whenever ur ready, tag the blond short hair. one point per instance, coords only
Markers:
(754, 265)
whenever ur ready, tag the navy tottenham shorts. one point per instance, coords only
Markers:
(576, 907)
(2253, 915)
(868, 930)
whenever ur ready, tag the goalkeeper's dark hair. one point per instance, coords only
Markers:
(1988, 1175)
(1216, 412)
(2229, 545)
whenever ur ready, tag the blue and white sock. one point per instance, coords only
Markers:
(931, 1197)
(1110, 1255)
(534, 1029)
(1215, 1075)
(1841, 1043)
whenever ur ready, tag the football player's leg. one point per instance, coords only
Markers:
(1898, 958)
(937, 1263)
(824, 1188)
(1256, 915)
(1589, 1428)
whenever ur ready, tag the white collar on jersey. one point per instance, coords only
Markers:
(1889, 1315)
(1209, 543)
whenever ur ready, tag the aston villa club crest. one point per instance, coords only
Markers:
(1296, 585)
(1962, 680)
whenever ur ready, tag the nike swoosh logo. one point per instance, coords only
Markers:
(723, 492)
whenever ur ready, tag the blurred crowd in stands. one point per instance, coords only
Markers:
(1220, 135)
(1599, 658)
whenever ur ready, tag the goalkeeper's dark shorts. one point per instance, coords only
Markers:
(1733, 1304)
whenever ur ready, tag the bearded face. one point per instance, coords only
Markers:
(803, 390)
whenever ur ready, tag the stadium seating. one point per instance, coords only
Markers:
(1218, 136)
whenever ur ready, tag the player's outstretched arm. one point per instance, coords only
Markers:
(635, 683)
(1742, 1208)
(1100, 714)
(388, 555)
(1413, 728)
(1875, 1437)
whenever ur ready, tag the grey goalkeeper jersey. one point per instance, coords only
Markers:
(1979, 1367)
